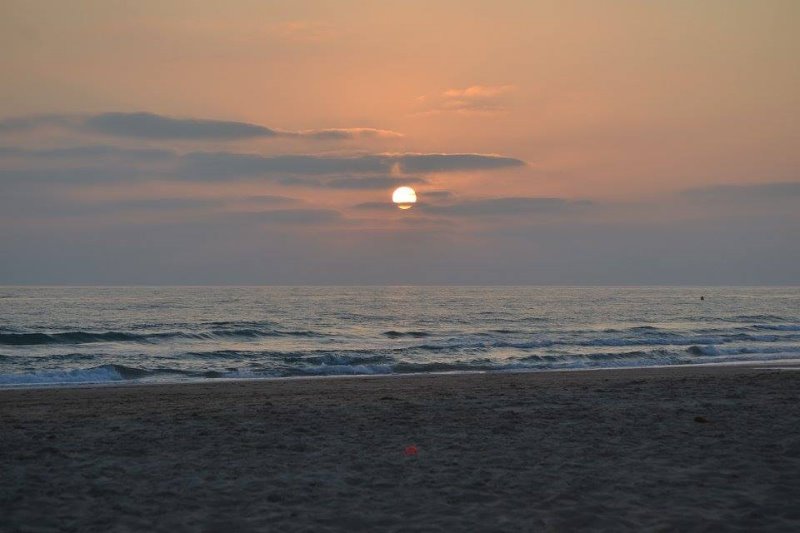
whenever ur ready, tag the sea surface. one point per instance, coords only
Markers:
(71, 335)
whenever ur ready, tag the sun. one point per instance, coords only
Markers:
(404, 197)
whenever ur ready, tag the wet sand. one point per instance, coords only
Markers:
(702, 448)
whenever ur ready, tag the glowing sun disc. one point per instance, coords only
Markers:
(404, 197)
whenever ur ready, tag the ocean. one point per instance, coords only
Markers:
(74, 335)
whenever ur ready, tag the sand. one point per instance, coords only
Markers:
(703, 448)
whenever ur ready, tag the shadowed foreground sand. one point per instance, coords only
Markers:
(508, 452)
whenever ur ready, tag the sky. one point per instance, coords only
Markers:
(591, 142)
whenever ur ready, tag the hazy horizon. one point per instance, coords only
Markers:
(397, 286)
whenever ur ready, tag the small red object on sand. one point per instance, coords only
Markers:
(410, 450)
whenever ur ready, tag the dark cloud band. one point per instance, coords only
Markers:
(214, 165)
(510, 206)
(372, 182)
(151, 126)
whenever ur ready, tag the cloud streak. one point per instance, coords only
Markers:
(86, 152)
(455, 162)
(372, 182)
(217, 165)
(151, 126)
(366, 171)
(509, 206)
(475, 99)
(505, 207)
(780, 190)
(346, 134)
(157, 127)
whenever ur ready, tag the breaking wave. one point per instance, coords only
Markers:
(85, 337)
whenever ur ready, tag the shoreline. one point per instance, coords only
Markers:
(778, 364)
(711, 447)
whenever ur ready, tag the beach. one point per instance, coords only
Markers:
(686, 448)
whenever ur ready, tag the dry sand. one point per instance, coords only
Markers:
(566, 451)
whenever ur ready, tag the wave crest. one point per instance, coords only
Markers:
(86, 337)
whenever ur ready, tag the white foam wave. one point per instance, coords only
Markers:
(101, 374)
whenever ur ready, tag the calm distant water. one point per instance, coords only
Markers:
(91, 335)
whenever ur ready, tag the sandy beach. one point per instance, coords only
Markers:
(701, 448)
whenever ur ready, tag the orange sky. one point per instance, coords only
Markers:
(622, 110)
